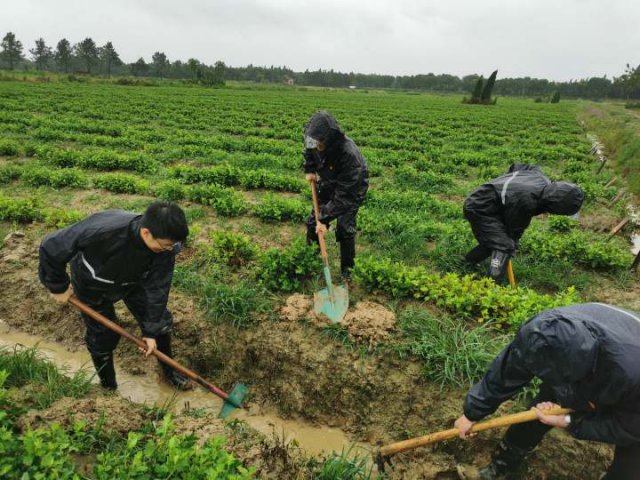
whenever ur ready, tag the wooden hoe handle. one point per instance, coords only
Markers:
(73, 300)
(504, 421)
(316, 211)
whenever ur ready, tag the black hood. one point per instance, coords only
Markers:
(562, 198)
(559, 351)
(322, 126)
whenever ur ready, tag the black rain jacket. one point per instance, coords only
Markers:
(342, 168)
(108, 257)
(502, 209)
(589, 355)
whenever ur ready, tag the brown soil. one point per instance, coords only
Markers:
(115, 414)
(366, 324)
(292, 367)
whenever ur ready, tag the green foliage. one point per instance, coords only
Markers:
(26, 366)
(451, 352)
(562, 224)
(237, 303)
(464, 296)
(9, 148)
(169, 456)
(233, 249)
(230, 175)
(555, 98)
(21, 210)
(63, 177)
(171, 190)
(122, 183)
(60, 218)
(225, 201)
(285, 269)
(345, 466)
(273, 208)
(485, 97)
(8, 173)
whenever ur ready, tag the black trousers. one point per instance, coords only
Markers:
(526, 436)
(101, 340)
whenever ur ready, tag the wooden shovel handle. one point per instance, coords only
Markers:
(504, 421)
(316, 212)
(101, 319)
(512, 278)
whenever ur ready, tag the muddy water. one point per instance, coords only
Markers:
(149, 389)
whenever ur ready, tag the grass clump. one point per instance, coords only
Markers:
(451, 352)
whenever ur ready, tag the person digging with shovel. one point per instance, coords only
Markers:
(587, 356)
(342, 175)
(117, 255)
(501, 210)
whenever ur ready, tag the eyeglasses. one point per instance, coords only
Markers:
(167, 248)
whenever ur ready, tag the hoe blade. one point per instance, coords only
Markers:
(334, 307)
(236, 397)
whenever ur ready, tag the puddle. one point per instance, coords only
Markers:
(149, 389)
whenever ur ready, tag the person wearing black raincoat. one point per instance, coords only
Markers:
(588, 358)
(342, 185)
(501, 210)
(116, 255)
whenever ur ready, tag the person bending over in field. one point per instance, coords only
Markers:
(117, 255)
(587, 358)
(343, 179)
(501, 210)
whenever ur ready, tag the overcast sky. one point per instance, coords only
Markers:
(554, 39)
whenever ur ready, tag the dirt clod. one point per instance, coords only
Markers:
(369, 323)
(297, 307)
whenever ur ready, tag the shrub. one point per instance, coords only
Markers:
(285, 269)
(60, 218)
(166, 455)
(21, 210)
(226, 201)
(278, 209)
(171, 190)
(122, 183)
(233, 249)
(464, 296)
(345, 466)
(9, 148)
(562, 223)
(9, 173)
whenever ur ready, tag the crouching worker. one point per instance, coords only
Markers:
(501, 210)
(343, 182)
(587, 358)
(117, 255)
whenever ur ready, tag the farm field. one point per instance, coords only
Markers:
(425, 327)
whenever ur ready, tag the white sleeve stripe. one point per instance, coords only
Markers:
(504, 188)
(93, 272)
(617, 310)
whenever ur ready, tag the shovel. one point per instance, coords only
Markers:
(231, 401)
(385, 452)
(332, 301)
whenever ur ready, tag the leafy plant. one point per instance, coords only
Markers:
(121, 183)
(233, 249)
(279, 209)
(285, 269)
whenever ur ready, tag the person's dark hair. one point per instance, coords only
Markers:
(166, 220)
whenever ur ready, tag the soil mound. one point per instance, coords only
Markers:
(369, 323)
(114, 413)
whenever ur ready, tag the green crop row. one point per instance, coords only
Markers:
(465, 296)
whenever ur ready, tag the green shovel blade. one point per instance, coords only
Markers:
(236, 397)
(333, 308)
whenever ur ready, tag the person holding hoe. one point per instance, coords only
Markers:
(333, 159)
(501, 210)
(117, 255)
(587, 358)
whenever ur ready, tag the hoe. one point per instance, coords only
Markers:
(384, 454)
(332, 301)
(231, 400)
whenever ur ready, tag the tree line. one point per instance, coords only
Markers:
(88, 58)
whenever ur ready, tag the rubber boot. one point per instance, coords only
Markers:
(477, 254)
(106, 371)
(498, 265)
(347, 257)
(506, 461)
(173, 377)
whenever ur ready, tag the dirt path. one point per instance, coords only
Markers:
(297, 372)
